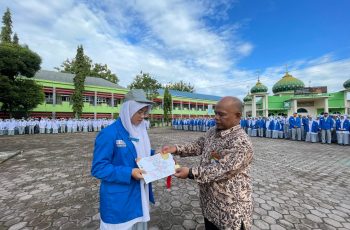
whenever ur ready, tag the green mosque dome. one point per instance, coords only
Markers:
(247, 98)
(259, 88)
(347, 84)
(287, 83)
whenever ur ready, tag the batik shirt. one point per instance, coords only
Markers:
(223, 176)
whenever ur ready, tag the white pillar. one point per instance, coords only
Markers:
(54, 102)
(326, 105)
(95, 104)
(244, 110)
(345, 102)
(294, 106)
(253, 106)
(266, 98)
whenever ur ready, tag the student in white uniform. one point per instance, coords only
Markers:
(74, 126)
(85, 126)
(48, 126)
(55, 125)
(42, 125)
(31, 125)
(63, 123)
(12, 125)
(69, 125)
(2, 127)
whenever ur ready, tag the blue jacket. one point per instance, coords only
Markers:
(120, 194)
(261, 124)
(346, 124)
(314, 127)
(294, 121)
(271, 125)
(305, 122)
(327, 123)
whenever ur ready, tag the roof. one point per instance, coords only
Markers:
(287, 83)
(176, 93)
(68, 78)
(259, 88)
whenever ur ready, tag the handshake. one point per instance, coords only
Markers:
(181, 172)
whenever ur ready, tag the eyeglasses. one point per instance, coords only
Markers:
(142, 113)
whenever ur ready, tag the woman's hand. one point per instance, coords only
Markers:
(137, 173)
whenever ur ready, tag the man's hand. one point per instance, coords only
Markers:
(137, 173)
(182, 172)
(168, 149)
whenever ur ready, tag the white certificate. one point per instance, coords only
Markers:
(157, 166)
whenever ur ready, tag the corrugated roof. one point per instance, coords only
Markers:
(177, 93)
(68, 77)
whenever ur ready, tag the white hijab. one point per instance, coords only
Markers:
(128, 109)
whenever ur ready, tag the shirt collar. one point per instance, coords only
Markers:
(223, 133)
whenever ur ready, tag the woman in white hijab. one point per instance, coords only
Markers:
(124, 196)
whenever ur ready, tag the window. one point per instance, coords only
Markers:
(302, 110)
(117, 101)
(101, 100)
(49, 98)
(65, 97)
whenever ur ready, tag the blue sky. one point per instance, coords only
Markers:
(219, 46)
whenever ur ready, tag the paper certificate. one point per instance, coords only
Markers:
(157, 166)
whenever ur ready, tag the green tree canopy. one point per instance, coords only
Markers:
(6, 29)
(146, 82)
(181, 86)
(82, 69)
(167, 105)
(17, 94)
(20, 96)
(16, 60)
(95, 70)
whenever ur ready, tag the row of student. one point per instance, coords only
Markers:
(335, 128)
(193, 124)
(46, 125)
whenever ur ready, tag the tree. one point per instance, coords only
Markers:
(167, 105)
(95, 70)
(181, 86)
(149, 84)
(22, 95)
(81, 68)
(17, 94)
(6, 30)
(15, 39)
(16, 60)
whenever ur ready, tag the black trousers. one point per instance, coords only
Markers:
(210, 226)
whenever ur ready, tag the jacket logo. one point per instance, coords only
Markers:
(120, 143)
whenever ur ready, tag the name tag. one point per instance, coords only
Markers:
(134, 139)
(120, 143)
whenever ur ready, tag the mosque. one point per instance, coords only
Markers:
(291, 95)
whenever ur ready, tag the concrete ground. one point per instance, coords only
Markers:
(296, 185)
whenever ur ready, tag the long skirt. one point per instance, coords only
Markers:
(268, 133)
(314, 137)
(343, 137)
(249, 131)
(280, 134)
(254, 132)
(261, 132)
(275, 134)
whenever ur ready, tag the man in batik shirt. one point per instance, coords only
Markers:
(223, 174)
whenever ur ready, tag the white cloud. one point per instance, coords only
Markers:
(170, 39)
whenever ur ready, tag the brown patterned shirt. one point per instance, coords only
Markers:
(224, 176)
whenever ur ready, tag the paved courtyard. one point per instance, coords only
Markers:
(48, 185)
